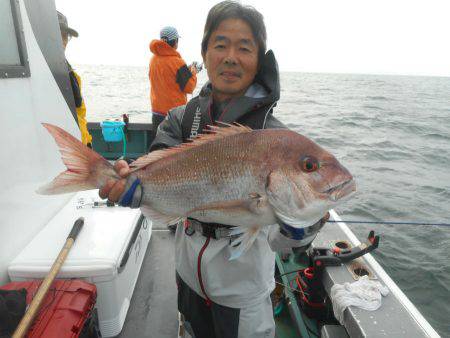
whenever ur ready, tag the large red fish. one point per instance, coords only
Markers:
(234, 175)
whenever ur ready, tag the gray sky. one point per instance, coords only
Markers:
(346, 36)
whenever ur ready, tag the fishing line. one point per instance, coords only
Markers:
(293, 290)
(288, 273)
(304, 322)
(393, 223)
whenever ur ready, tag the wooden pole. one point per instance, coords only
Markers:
(29, 316)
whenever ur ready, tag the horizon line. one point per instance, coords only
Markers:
(289, 71)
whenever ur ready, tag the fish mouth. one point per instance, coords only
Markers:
(341, 190)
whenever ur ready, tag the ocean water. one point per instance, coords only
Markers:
(391, 132)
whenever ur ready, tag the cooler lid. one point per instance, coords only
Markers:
(97, 251)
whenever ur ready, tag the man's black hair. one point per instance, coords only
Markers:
(171, 43)
(234, 10)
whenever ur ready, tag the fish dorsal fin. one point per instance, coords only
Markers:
(212, 133)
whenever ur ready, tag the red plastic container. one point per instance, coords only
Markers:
(65, 309)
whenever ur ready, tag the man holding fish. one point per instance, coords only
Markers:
(244, 190)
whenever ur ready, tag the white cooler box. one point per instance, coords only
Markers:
(108, 252)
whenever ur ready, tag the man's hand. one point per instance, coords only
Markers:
(195, 67)
(325, 219)
(284, 236)
(301, 233)
(113, 189)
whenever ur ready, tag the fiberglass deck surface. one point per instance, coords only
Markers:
(153, 310)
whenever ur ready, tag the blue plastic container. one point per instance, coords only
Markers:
(112, 130)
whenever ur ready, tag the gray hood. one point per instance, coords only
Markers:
(264, 91)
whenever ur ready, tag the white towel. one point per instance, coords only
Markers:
(364, 293)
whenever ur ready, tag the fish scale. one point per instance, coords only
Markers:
(207, 175)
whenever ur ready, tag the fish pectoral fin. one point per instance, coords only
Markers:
(158, 217)
(239, 245)
(255, 204)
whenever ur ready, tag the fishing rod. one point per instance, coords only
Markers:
(392, 223)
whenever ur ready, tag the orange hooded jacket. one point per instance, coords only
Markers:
(170, 78)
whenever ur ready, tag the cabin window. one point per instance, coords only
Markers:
(13, 55)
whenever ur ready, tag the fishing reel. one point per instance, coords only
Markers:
(312, 295)
(198, 66)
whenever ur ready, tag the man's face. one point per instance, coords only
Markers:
(65, 39)
(231, 59)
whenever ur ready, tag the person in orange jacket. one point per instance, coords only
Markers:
(170, 78)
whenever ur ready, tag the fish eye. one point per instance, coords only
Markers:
(309, 164)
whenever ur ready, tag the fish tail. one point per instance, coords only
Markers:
(86, 169)
(242, 243)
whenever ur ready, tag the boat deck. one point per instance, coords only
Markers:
(153, 310)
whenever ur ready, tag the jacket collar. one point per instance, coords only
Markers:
(161, 48)
(265, 91)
